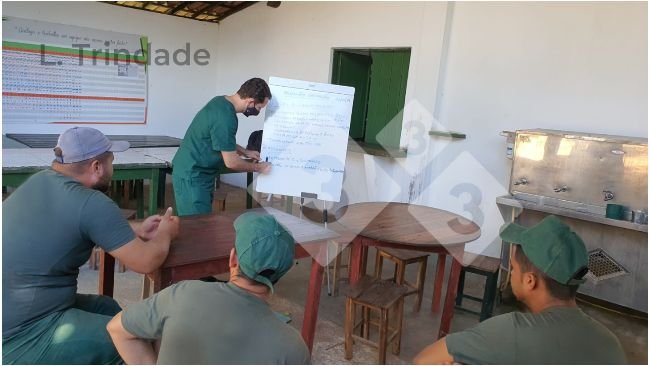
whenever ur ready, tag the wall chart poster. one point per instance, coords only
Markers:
(55, 73)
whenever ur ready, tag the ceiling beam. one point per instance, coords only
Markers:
(210, 6)
(178, 7)
(239, 8)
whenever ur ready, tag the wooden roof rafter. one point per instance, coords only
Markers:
(205, 11)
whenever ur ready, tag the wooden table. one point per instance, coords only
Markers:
(166, 154)
(139, 164)
(407, 226)
(203, 246)
(49, 140)
(19, 164)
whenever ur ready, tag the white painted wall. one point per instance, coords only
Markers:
(176, 93)
(568, 66)
(574, 66)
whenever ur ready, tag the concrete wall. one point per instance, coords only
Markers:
(176, 93)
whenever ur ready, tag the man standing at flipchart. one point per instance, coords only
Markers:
(209, 145)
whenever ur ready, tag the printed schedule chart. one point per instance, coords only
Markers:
(52, 82)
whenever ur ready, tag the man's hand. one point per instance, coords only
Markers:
(264, 167)
(149, 227)
(145, 256)
(252, 154)
(169, 225)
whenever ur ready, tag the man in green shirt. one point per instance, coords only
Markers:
(209, 145)
(548, 264)
(50, 225)
(199, 322)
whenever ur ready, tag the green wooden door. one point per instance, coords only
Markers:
(351, 69)
(389, 72)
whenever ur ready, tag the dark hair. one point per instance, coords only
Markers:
(556, 289)
(80, 166)
(255, 88)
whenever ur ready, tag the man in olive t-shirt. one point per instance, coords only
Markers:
(50, 225)
(219, 323)
(548, 264)
(209, 145)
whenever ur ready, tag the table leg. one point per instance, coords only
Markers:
(450, 298)
(437, 282)
(249, 188)
(288, 208)
(106, 274)
(153, 191)
(313, 299)
(356, 250)
(139, 196)
(162, 185)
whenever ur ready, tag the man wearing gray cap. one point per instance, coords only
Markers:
(50, 225)
(219, 323)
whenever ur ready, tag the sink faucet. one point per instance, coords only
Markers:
(609, 195)
(521, 181)
(561, 189)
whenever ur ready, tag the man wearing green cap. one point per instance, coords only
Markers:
(209, 145)
(219, 323)
(548, 264)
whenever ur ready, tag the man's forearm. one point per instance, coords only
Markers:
(434, 354)
(158, 250)
(244, 166)
(136, 351)
(240, 150)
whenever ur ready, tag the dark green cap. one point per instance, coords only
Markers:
(265, 249)
(552, 247)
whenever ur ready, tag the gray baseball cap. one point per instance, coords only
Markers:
(83, 143)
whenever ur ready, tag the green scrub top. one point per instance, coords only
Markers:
(212, 131)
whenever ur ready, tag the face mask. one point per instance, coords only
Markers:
(251, 111)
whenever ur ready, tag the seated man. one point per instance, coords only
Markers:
(548, 264)
(200, 322)
(50, 225)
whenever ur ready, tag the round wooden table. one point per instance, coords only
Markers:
(408, 226)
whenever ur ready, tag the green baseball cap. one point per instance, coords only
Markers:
(552, 247)
(265, 249)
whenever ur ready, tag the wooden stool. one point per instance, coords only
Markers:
(94, 255)
(485, 266)
(402, 258)
(381, 296)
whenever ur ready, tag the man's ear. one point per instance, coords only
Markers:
(96, 167)
(233, 262)
(530, 281)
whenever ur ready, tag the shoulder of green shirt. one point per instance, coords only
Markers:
(484, 342)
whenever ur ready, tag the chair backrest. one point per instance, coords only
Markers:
(255, 141)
